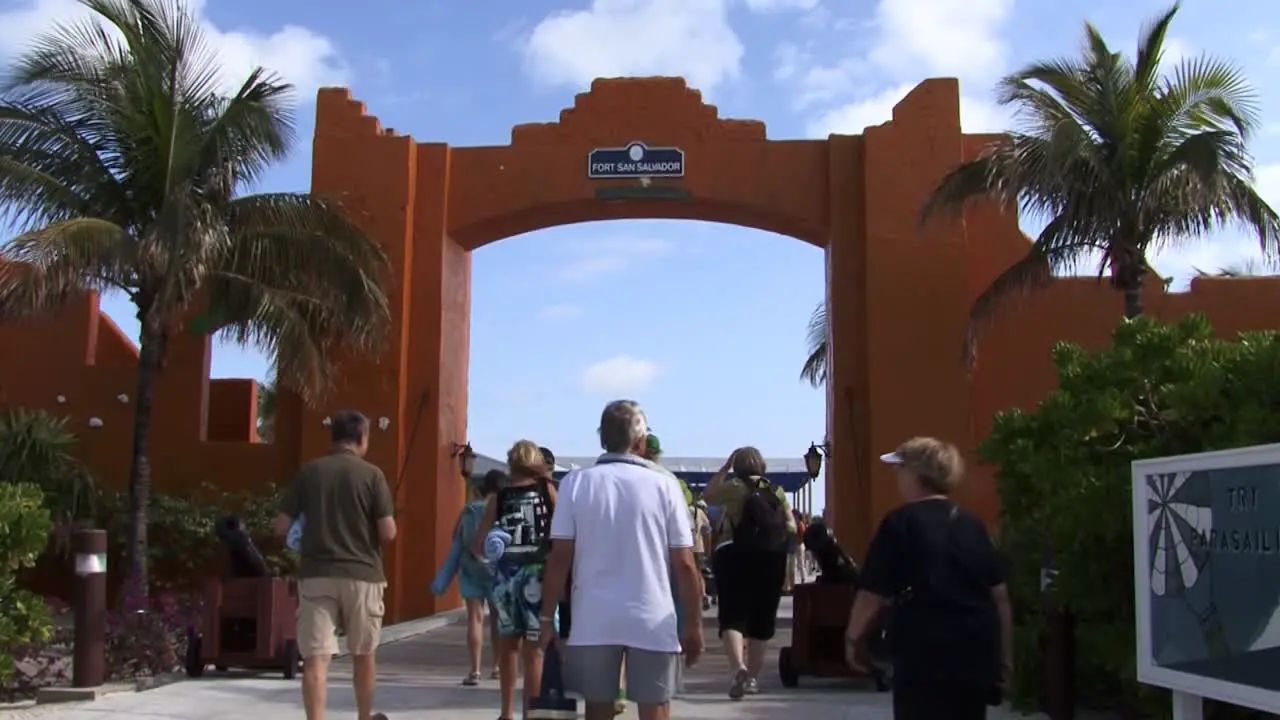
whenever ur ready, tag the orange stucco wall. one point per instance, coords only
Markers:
(898, 301)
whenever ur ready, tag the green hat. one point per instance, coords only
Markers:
(653, 444)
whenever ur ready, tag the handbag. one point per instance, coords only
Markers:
(551, 703)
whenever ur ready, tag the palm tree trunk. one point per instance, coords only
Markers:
(150, 353)
(1133, 298)
(1130, 273)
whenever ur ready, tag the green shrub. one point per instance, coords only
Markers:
(183, 547)
(1064, 480)
(37, 447)
(24, 533)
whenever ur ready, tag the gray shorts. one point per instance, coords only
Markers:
(593, 671)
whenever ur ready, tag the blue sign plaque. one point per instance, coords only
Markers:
(635, 160)
(1207, 564)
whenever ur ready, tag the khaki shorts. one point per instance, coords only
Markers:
(326, 604)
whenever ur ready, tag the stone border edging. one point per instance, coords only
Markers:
(413, 628)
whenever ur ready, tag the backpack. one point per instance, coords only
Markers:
(762, 526)
(527, 537)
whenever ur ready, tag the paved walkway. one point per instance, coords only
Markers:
(419, 680)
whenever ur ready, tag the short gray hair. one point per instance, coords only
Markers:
(622, 425)
(348, 427)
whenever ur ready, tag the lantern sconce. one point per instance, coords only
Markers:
(466, 459)
(124, 399)
(813, 458)
(95, 422)
(384, 422)
(62, 399)
(327, 421)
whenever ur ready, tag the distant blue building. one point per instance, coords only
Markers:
(789, 473)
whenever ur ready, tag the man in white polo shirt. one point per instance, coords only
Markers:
(624, 530)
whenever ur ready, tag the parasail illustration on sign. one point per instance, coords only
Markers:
(1179, 516)
(1180, 520)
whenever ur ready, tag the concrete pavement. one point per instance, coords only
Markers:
(419, 679)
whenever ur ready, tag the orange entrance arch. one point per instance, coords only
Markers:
(856, 197)
(898, 301)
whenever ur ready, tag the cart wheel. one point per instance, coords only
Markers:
(787, 669)
(193, 663)
(291, 659)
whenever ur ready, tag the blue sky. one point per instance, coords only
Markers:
(709, 333)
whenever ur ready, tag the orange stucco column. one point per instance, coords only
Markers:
(847, 416)
(915, 284)
(435, 386)
(373, 174)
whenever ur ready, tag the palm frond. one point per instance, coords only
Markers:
(44, 268)
(817, 339)
(299, 277)
(1055, 251)
(1151, 50)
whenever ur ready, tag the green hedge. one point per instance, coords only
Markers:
(1064, 480)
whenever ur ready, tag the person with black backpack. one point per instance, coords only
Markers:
(749, 562)
(518, 519)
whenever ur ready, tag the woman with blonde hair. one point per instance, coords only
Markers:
(749, 561)
(520, 515)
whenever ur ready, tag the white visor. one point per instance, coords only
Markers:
(892, 458)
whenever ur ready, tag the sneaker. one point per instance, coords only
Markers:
(494, 675)
(738, 686)
(378, 716)
(752, 687)
(471, 680)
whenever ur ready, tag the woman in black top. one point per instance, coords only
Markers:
(950, 627)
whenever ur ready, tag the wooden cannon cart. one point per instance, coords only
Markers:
(246, 623)
(820, 615)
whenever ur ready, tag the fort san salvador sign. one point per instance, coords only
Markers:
(635, 160)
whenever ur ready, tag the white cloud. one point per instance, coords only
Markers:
(300, 55)
(976, 114)
(619, 375)
(765, 6)
(1175, 51)
(957, 38)
(615, 38)
(553, 312)
(594, 258)
(911, 39)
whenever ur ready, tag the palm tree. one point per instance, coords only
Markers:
(120, 162)
(816, 364)
(1121, 159)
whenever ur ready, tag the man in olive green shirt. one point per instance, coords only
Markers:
(347, 513)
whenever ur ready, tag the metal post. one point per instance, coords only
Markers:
(88, 668)
(1187, 707)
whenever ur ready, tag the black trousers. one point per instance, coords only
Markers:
(939, 703)
(749, 586)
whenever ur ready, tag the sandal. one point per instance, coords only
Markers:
(471, 680)
(494, 675)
